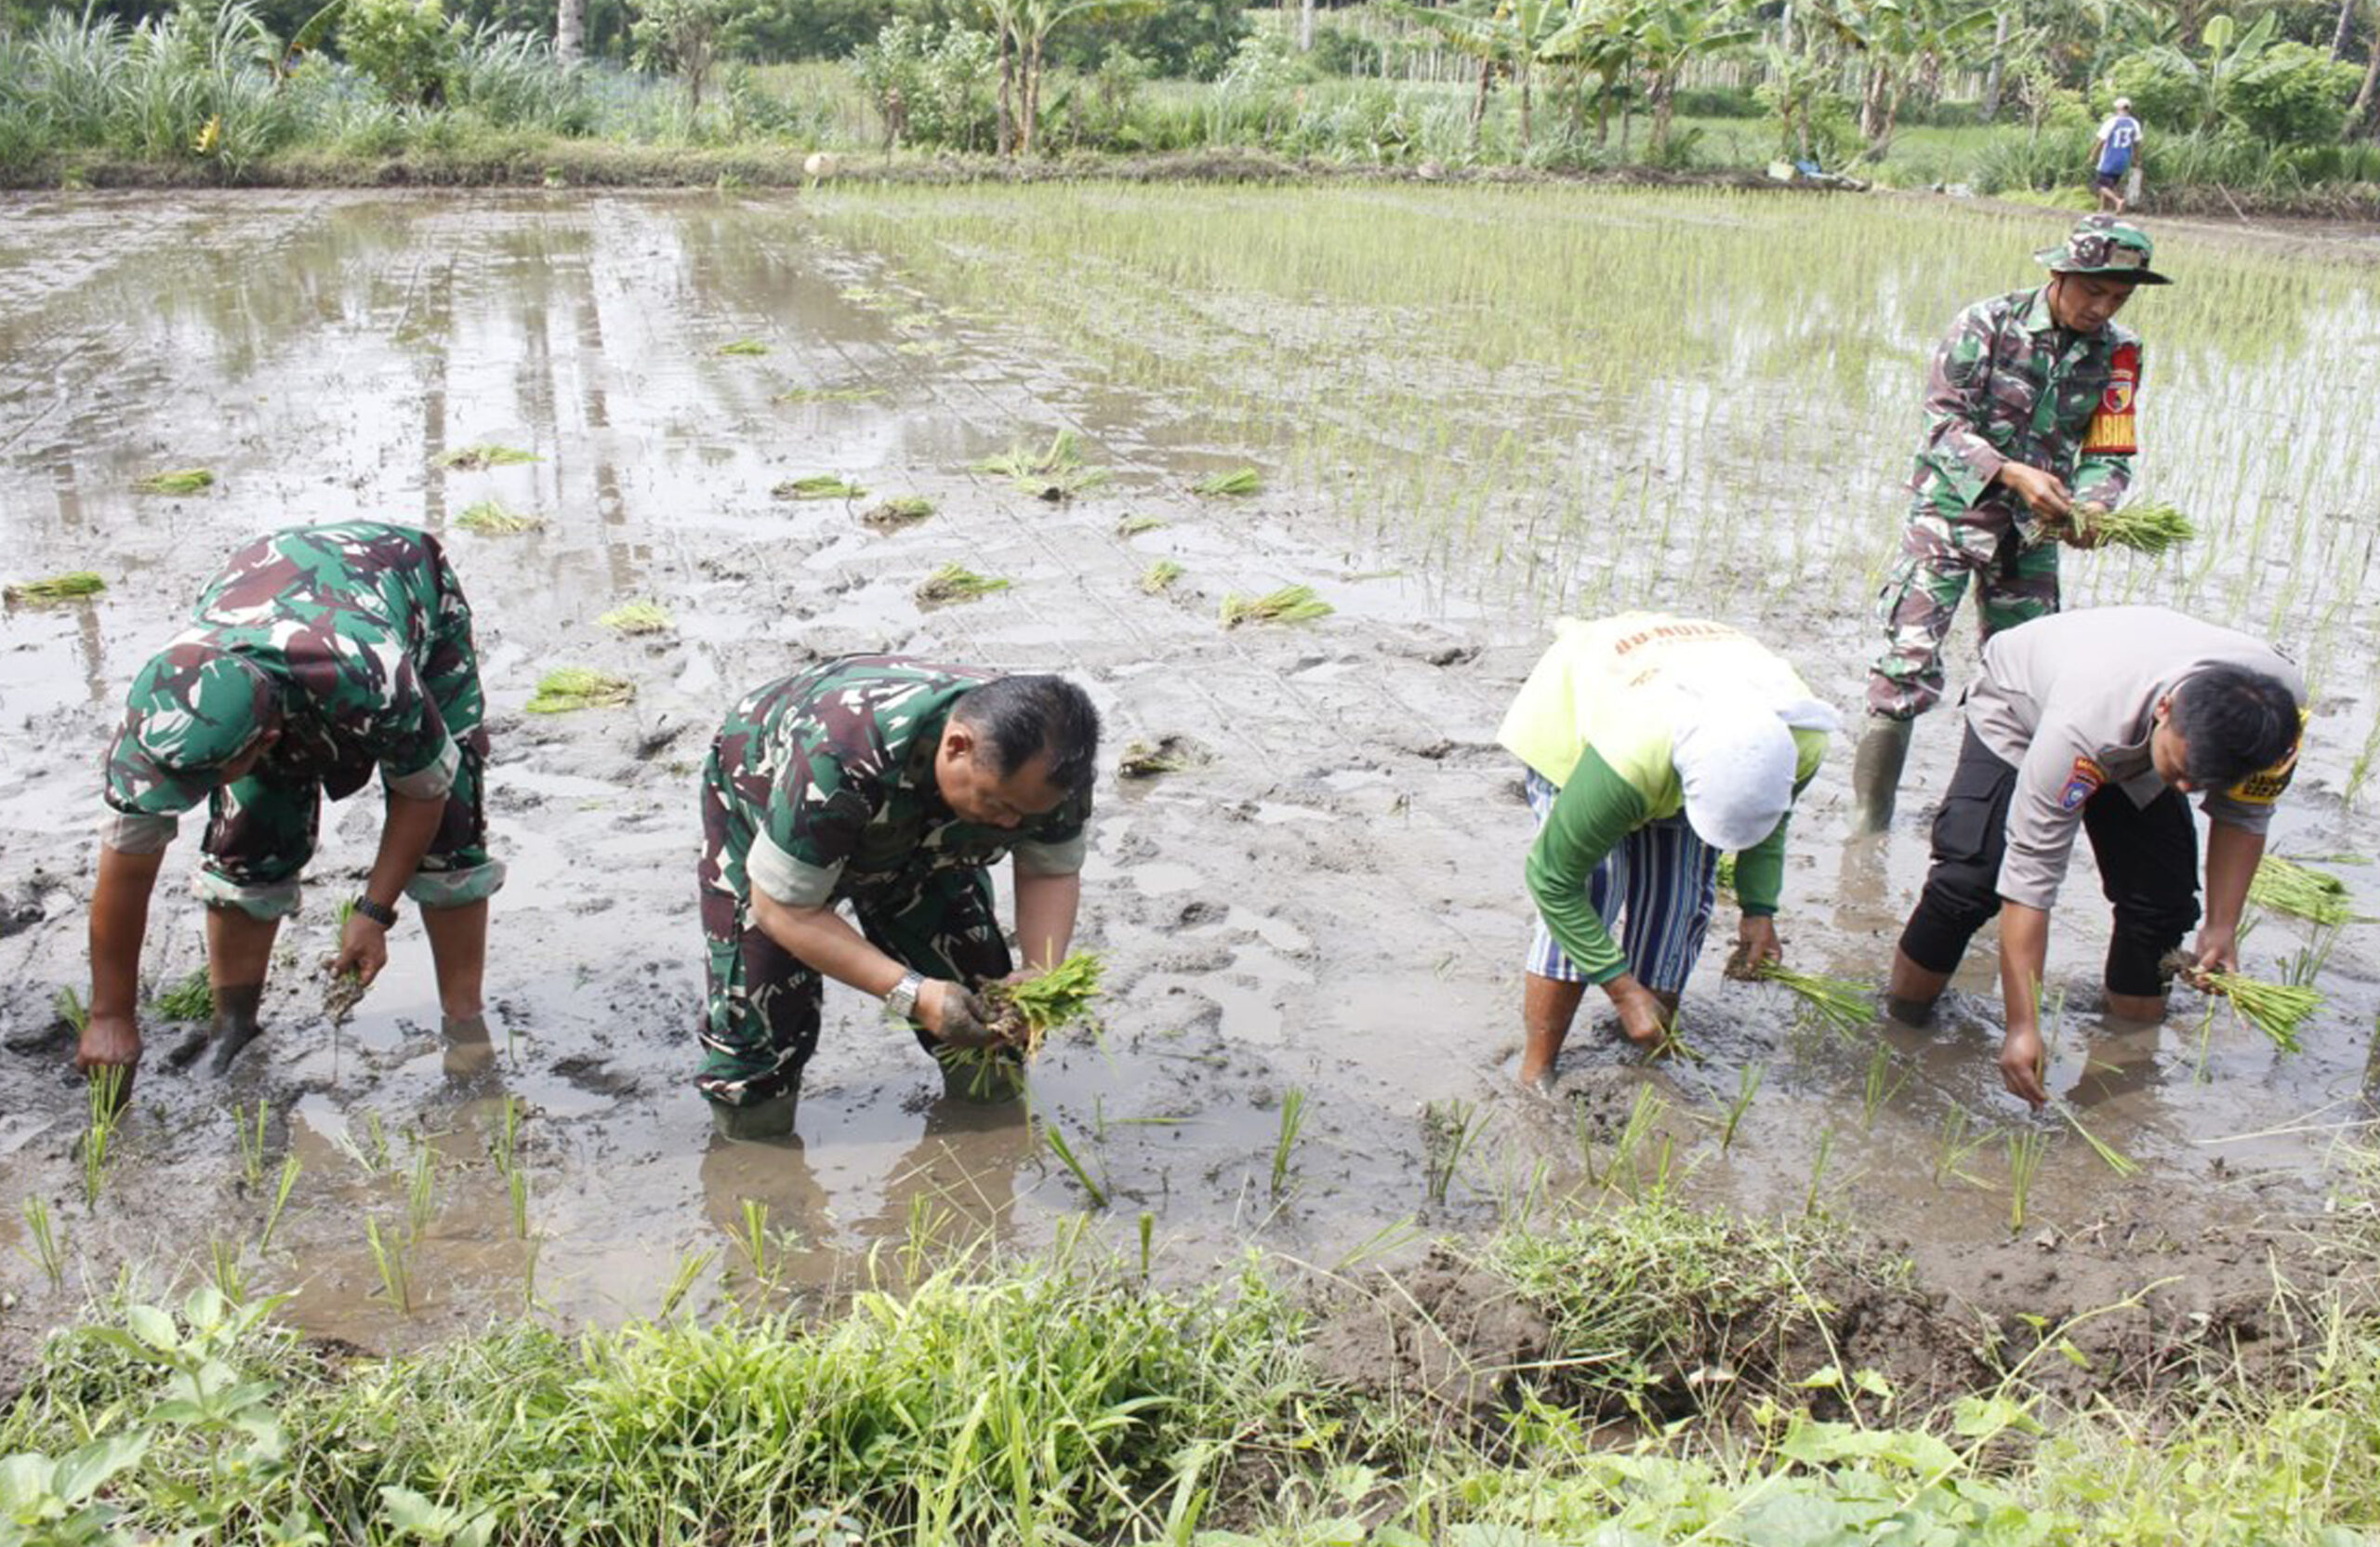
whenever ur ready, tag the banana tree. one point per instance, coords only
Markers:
(1671, 34)
(1599, 40)
(1906, 43)
(1471, 30)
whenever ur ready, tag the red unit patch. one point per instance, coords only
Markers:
(2081, 783)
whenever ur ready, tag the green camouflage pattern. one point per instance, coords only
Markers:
(353, 640)
(2105, 245)
(834, 766)
(2007, 385)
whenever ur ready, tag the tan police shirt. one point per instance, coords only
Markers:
(2071, 700)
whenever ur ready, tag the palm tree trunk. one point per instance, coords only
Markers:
(1032, 93)
(1523, 75)
(1004, 132)
(1989, 107)
(1479, 103)
(1305, 27)
(2338, 33)
(2362, 102)
(570, 32)
(1664, 95)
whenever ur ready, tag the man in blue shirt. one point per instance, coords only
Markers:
(2117, 149)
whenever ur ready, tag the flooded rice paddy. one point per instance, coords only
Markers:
(1471, 409)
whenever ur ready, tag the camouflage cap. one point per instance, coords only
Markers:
(2104, 245)
(193, 708)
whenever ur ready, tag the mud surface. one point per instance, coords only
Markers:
(1327, 900)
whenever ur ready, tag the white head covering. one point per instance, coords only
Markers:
(1735, 758)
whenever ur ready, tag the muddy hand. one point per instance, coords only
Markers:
(363, 950)
(2021, 1066)
(2044, 494)
(111, 1042)
(1757, 946)
(957, 1016)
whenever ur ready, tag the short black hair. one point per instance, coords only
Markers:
(2234, 722)
(1022, 717)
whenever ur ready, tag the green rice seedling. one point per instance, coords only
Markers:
(829, 394)
(1643, 1118)
(1054, 473)
(639, 617)
(107, 1088)
(1879, 1087)
(69, 587)
(1748, 1087)
(2360, 771)
(1132, 526)
(2275, 1009)
(42, 1230)
(747, 347)
(477, 458)
(1169, 754)
(532, 1250)
(1449, 1130)
(2145, 526)
(1726, 877)
(493, 517)
(1236, 484)
(188, 999)
(1285, 1146)
(389, 1255)
(1817, 1171)
(1959, 1142)
(370, 1152)
(1159, 577)
(1148, 1244)
(69, 1005)
(180, 481)
(2115, 1160)
(504, 1149)
(2025, 1151)
(2284, 886)
(226, 1270)
(957, 583)
(567, 689)
(681, 1282)
(1836, 1004)
(250, 1135)
(281, 1191)
(421, 1191)
(754, 1240)
(1026, 1011)
(818, 485)
(899, 511)
(1289, 604)
(1065, 1152)
(516, 1190)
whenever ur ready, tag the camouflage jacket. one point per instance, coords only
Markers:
(366, 640)
(2009, 385)
(828, 779)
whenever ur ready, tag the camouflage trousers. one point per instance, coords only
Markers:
(761, 1003)
(260, 832)
(1940, 554)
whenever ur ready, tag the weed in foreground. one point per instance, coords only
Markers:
(569, 688)
(1289, 604)
(69, 586)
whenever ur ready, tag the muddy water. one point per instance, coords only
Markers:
(1331, 906)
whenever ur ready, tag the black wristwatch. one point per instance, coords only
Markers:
(384, 916)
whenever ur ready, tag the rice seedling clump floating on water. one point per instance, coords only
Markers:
(899, 511)
(580, 687)
(818, 485)
(1289, 604)
(487, 454)
(1161, 575)
(1168, 754)
(2285, 886)
(1236, 484)
(957, 583)
(1055, 472)
(2144, 526)
(744, 346)
(181, 481)
(638, 617)
(493, 517)
(59, 588)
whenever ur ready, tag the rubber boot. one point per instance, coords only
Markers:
(468, 1051)
(235, 1023)
(767, 1120)
(1875, 773)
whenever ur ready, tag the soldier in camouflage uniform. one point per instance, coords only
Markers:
(892, 785)
(2030, 410)
(318, 654)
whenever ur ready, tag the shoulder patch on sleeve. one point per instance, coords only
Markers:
(2112, 432)
(2081, 785)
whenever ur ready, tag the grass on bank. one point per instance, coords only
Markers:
(1059, 1400)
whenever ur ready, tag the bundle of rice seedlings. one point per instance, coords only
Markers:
(1836, 1004)
(1054, 473)
(579, 687)
(1025, 1013)
(1132, 526)
(957, 583)
(1289, 604)
(181, 481)
(638, 617)
(59, 588)
(819, 486)
(1168, 754)
(2285, 886)
(487, 454)
(829, 394)
(744, 346)
(191, 999)
(1159, 575)
(1235, 485)
(2275, 1009)
(2144, 526)
(898, 511)
(493, 517)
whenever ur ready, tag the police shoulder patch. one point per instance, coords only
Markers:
(2081, 783)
